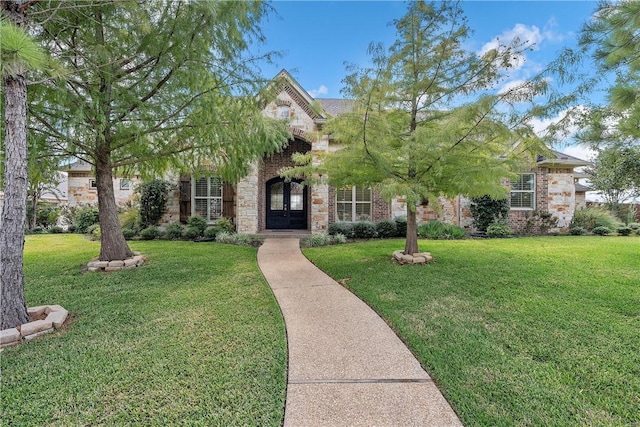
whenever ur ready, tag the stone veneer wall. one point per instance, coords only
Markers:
(80, 193)
(247, 195)
(453, 211)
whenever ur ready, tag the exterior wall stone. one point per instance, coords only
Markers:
(80, 192)
(247, 208)
(561, 197)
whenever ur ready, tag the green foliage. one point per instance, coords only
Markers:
(191, 232)
(56, 230)
(577, 231)
(210, 232)
(150, 233)
(315, 240)
(341, 227)
(197, 222)
(386, 228)
(634, 225)
(624, 231)
(601, 230)
(94, 232)
(174, 231)
(153, 201)
(364, 230)
(539, 222)
(130, 218)
(46, 216)
(499, 229)
(437, 230)
(224, 224)
(401, 225)
(339, 238)
(590, 218)
(85, 217)
(18, 51)
(487, 210)
(128, 233)
(615, 173)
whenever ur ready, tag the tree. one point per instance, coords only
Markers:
(615, 174)
(428, 118)
(18, 53)
(152, 86)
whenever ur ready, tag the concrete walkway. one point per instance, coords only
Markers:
(346, 366)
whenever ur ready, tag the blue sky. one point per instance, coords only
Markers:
(317, 38)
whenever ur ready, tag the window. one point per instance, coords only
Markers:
(92, 184)
(523, 191)
(207, 198)
(125, 184)
(353, 204)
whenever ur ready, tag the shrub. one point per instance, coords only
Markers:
(37, 230)
(315, 240)
(401, 226)
(364, 230)
(601, 230)
(341, 227)
(486, 211)
(634, 225)
(94, 232)
(174, 231)
(130, 218)
(210, 232)
(153, 201)
(241, 239)
(539, 222)
(128, 233)
(56, 230)
(191, 233)
(224, 224)
(86, 217)
(590, 218)
(386, 228)
(577, 231)
(225, 237)
(339, 238)
(150, 233)
(198, 223)
(624, 231)
(439, 230)
(499, 229)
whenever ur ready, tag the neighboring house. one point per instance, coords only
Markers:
(265, 201)
(82, 189)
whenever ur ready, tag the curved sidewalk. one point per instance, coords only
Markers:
(346, 366)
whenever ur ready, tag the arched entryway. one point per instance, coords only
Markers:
(286, 204)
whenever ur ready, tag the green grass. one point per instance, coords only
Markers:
(193, 337)
(515, 332)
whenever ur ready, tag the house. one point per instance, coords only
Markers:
(82, 189)
(264, 201)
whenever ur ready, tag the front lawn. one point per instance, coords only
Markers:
(526, 332)
(193, 337)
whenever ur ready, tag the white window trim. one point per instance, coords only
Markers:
(126, 187)
(353, 203)
(194, 198)
(93, 184)
(532, 191)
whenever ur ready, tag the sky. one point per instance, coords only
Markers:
(317, 38)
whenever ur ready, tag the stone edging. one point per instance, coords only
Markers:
(56, 315)
(417, 258)
(116, 265)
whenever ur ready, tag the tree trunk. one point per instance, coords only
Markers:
(411, 244)
(14, 309)
(113, 246)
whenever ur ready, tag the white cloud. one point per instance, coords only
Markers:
(529, 35)
(322, 90)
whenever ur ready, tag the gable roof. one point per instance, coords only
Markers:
(561, 159)
(335, 106)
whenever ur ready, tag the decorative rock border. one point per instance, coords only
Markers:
(56, 315)
(417, 258)
(116, 265)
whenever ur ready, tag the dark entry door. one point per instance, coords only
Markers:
(286, 205)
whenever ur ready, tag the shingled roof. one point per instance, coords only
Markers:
(561, 159)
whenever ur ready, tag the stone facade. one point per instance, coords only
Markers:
(81, 189)
(555, 190)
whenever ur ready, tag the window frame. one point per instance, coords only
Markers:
(93, 184)
(532, 191)
(125, 184)
(208, 198)
(355, 202)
